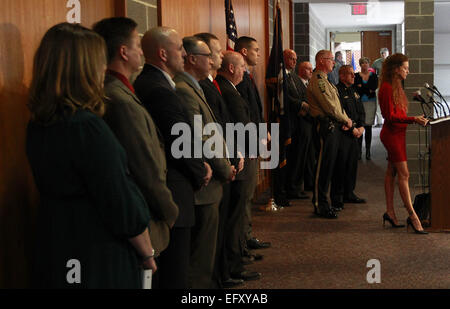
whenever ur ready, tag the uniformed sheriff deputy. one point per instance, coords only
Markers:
(343, 182)
(323, 99)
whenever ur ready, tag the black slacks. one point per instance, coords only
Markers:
(329, 145)
(344, 177)
(173, 263)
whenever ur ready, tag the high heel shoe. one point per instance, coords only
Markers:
(389, 219)
(409, 222)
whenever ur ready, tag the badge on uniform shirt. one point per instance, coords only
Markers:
(346, 97)
(356, 95)
(322, 85)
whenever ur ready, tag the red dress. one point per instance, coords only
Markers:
(395, 122)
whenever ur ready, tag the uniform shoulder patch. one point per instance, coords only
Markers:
(322, 85)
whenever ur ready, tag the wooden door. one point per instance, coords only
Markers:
(22, 25)
(373, 41)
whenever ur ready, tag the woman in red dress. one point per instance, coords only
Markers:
(394, 106)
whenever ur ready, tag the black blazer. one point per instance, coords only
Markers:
(219, 108)
(351, 103)
(239, 112)
(366, 88)
(186, 174)
(250, 93)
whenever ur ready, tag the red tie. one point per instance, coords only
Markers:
(217, 86)
(252, 79)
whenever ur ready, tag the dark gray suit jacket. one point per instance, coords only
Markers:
(137, 133)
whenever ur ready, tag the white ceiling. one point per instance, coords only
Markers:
(337, 14)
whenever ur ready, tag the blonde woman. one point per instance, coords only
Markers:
(394, 106)
(92, 222)
(366, 83)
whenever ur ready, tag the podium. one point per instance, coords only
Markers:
(440, 175)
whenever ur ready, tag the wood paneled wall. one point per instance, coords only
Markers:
(192, 16)
(22, 25)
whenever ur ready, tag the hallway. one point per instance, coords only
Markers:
(313, 253)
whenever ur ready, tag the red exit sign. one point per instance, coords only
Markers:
(359, 9)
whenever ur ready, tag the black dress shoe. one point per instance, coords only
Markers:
(247, 275)
(254, 243)
(247, 260)
(354, 200)
(283, 202)
(256, 256)
(232, 283)
(328, 214)
(337, 206)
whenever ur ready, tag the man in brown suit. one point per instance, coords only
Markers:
(134, 127)
(204, 234)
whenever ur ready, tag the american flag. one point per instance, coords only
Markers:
(277, 88)
(231, 25)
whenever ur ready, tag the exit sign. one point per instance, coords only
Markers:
(359, 9)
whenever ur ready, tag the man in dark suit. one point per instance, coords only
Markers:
(229, 75)
(304, 72)
(248, 47)
(204, 234)
(134, 127)
(213, 95)
(300, 125)
(343, 182)
(163, 51)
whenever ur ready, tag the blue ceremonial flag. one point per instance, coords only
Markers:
(231, 25)
(277, 87)
(353, 62)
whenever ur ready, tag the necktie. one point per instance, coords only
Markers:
(217, 86)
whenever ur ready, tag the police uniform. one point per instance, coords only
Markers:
(343, 182)
(324, 105)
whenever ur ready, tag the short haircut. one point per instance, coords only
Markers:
(206, 37)
(243, 42)
(321, 53)
(338, 53)
(383, 50)
(343, 69)
(190, 44)
(363, 60)
(116, 31)
(229, 57)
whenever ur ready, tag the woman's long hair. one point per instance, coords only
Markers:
(68, 74)
(389, 75)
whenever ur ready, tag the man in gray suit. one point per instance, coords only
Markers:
(204, 234)
(134, 127)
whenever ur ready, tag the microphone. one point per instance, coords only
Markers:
(438, 93)
(442, 98)
(433, 101)
(428, 87)
(417, 96)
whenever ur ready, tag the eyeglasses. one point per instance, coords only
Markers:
(200, 54)
(328, 58)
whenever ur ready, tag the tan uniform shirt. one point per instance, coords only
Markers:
(323, 98)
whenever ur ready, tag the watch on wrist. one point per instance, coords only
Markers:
(148, 257)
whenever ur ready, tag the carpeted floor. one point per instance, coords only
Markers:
(313, 253)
